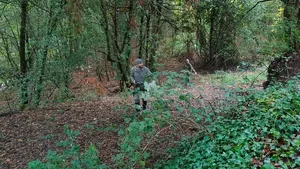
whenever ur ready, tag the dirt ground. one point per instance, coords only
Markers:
(29, 135)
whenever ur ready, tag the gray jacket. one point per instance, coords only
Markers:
(137, 75)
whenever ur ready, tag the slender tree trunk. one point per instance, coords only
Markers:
(201, 37)
(156, 31)
(116, 34)
(29, 51)
(52, 23)
(8, 53)
(133, 39)
(141, 39)
(118, 41)
(106, 31)
(126, 49)
(106, 69)
(211, 34)
(22, 52)
(291, 16)
(148, 17)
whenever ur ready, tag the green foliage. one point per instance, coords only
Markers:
(48, 137)
(59, 40)
(222, 78)
(253, 43)
(259, 129)
(247, 129)
(143, 128)
(71, 157)
(175, 46)
(60, 36)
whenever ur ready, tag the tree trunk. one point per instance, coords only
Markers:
(156, 31)
(126, 49)
(148, 17)
(118, 38)
(211, 34)
(22, 52)
(106, 32)
(201, 37)
(6, 45)
(291, 16)
(141, 39)
(133, 39)
(52, 23)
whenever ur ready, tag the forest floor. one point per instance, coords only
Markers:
(28, 135)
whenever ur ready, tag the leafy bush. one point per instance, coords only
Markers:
(144, 127)
(70, 157)
(257, 129)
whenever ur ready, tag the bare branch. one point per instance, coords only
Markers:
(256, 5)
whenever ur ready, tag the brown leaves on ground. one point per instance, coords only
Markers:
(29, 135)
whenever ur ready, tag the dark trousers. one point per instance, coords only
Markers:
(138, 90)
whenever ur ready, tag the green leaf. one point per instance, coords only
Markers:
(267, 166)
(35, 164)
(182, 97)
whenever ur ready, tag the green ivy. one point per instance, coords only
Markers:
(262, 133)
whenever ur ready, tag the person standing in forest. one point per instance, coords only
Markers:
(137, 76)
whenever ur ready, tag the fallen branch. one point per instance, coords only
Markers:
(145, 148)
(257, 77)
(191, 66)
(79, 84)
(149, 143)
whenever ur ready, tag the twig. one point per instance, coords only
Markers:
(77, 86)
(256, 5)
(196, 125)
(108, 89)
(8, 103)
(257, 77)
(52, 92)
(144, 149)
(191, 66)
(245, 14)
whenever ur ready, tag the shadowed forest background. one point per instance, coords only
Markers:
(66, 102)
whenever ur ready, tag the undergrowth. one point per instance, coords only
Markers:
(240, 77)
(259, 129)
(247, 128)
(70, 157)
(143, 129)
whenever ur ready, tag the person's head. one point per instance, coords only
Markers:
(139, 63)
